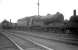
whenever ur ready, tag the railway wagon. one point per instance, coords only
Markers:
(50, 27)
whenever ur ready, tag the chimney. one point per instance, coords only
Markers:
(10, 20)
(74, 13)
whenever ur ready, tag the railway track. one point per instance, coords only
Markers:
(20, 42)
(6, 44)
(44, 43)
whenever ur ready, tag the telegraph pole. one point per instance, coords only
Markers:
(38, 8)
(31, 20)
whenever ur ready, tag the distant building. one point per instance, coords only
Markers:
(23, 21)
(39, 20)
(28, 21)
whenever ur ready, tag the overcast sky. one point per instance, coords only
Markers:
(16, 9)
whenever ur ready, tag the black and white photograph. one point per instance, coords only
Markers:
(38, 24)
